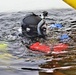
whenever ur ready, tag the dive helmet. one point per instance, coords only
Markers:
(33, 26)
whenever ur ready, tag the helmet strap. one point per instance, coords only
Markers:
(39, 26)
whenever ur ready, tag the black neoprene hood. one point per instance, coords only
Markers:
(30, 22)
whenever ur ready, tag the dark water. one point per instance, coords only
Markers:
(16, 56)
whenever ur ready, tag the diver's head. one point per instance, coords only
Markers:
(33, 26)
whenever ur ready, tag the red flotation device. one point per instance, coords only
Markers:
(60, 47)
(47, 49)
(40, 47)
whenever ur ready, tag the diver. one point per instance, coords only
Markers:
(33, 30)
(34, 34)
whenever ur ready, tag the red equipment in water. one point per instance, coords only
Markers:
(40, 47)
(60, 47)
(47, 49)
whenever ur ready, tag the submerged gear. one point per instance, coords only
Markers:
(64, 38)
(47, 49)
(32, 26)
(56, 26)
(40, 47)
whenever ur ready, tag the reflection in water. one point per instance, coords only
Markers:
(54, 73)
(58, 73)
(66, 61)
(71, 71)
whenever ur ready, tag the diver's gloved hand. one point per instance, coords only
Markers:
(40, 47)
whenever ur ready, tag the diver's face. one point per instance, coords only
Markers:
(44, 29)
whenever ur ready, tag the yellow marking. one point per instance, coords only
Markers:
(3, 46)
(72, 3)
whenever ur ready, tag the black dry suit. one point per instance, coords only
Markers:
(32, 28)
